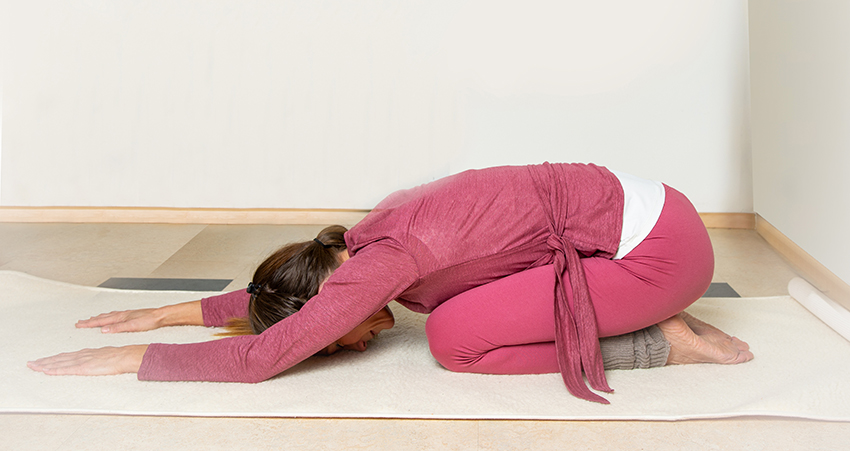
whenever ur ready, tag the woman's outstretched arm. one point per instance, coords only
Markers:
(213, 311)
(183, 314)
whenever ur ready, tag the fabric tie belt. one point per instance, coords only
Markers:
(576, 338)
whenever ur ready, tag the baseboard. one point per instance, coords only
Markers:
(809, 268)
(729, 220)
(153, 215)
(179, 215)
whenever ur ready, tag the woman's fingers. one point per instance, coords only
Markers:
(125, 321)
(100, 320)
(58, 364)
(92, 362)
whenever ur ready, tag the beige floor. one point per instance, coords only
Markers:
(88, 254)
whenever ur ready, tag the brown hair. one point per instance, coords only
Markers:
(287, 279)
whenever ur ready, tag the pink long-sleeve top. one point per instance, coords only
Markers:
(423, 246)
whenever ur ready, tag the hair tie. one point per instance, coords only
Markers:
(254, 288)
(320, 242)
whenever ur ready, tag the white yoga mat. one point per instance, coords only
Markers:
(800, 370)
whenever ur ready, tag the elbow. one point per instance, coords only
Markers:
(255, 368)
(256, 375)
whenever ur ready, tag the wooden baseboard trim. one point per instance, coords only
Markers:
(809, 268)
(153, 215)
(179, 215)
(729, 220)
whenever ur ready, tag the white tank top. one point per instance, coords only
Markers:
(643, 202)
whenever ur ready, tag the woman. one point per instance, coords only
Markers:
(583, 242)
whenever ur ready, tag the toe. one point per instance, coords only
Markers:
(740, 344)
(744, 356)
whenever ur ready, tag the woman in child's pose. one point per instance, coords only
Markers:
(521, 268)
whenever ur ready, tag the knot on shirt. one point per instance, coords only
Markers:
(558, 243)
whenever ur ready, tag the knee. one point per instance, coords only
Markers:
(446, 344)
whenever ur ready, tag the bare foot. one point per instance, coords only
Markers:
(693, 341)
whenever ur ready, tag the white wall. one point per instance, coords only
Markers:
(1, 143)
(801, 123)
(334, 104)
(4, 35)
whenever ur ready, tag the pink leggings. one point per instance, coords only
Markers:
(508, 326)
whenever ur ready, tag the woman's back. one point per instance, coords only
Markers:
(480, 225)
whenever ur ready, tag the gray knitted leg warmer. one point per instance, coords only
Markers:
(646, 348)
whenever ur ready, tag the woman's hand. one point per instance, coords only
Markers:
(92, 362)
(126, 321)
(187, 313)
